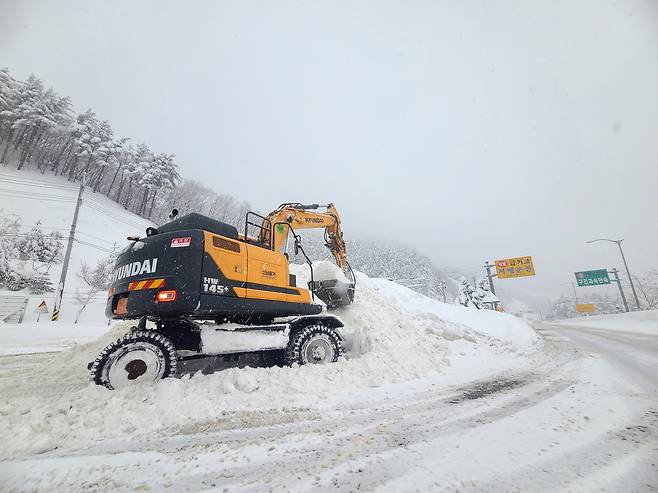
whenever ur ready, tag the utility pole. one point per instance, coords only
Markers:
(628, 272)
(615, 273)
(67, 256)
(490, 276)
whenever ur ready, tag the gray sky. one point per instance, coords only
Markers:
(472, 130)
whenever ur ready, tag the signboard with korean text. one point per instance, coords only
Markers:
(585, 307)
(515, 267)
(592, 277)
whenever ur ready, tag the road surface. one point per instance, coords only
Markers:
(584, 418)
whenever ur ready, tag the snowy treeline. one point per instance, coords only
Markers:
(39, 129)
(646, 286)
(565, 307)
(191, 196)
(387, 259)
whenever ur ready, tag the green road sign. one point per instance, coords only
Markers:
(592, 277)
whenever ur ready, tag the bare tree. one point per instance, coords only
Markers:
(97, 279)
(648, 287)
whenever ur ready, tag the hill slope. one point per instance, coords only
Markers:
(102, 226)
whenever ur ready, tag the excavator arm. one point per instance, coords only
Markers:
(276, 226)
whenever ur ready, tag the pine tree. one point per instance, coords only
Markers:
(483, 294)
(43, 250)
(39, 284)
(466, 296)
(15, 281)
(9, 251)
(443, 289)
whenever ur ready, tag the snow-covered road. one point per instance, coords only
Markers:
(584, 417)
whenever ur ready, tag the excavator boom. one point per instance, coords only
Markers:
(295, 216)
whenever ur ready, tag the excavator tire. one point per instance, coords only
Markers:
(315, 344)
(138, 356)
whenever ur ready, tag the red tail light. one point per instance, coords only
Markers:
(165, 296)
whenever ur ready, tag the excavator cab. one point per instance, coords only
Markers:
(276, 230)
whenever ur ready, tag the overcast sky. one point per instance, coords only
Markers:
(470, 130)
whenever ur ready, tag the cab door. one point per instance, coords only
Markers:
(267, 274)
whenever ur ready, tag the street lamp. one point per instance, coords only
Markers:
(628, 272)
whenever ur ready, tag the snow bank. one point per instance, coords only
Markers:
(393, 335)
(370, 292)
(644, 322)
(45, 336)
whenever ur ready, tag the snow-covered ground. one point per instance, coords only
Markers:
(45, 336)
(578, 414)
(394, 335)
(102, 225)
(643, 322)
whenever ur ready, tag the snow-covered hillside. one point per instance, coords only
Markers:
(393, 335)
(102, 226)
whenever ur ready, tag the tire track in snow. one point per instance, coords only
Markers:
(310, 447)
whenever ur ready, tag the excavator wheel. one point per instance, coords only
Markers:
(315, 344)
(138, 356)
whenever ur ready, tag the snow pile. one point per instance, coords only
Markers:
(323, 271)
(393, 335)
(644, 322)
(374, 296)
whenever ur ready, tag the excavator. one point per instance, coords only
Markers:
(198, 288)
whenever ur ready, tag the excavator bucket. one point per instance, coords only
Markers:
(334, 293)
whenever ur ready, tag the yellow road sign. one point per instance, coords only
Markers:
(585, 307)
(515, 267)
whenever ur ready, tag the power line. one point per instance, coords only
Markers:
(113, 215)
(37, 184)
(98, 247)
(62, 229)
(19, 195)
(24, 177)
(98, 238)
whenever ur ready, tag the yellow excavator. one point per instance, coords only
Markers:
(199, 288)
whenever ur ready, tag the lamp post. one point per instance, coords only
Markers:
(628, 272)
